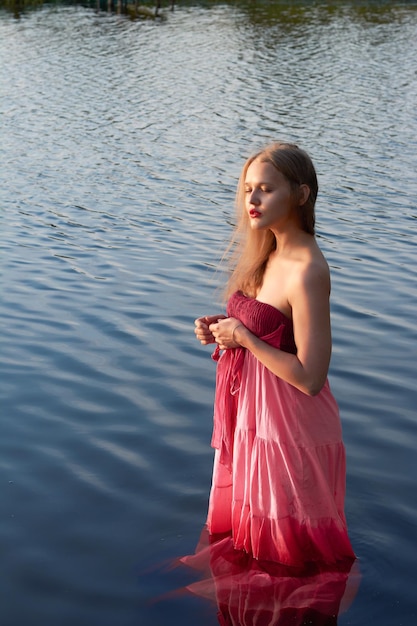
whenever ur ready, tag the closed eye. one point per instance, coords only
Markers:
(264, 188)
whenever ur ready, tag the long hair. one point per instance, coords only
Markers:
(251, 248)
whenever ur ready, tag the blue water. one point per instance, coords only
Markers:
(121, 145)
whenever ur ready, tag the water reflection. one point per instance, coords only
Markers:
(288, 14)
(302, 12)
(134, 8)
(251, 593)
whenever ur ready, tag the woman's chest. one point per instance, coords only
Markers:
(275, 289)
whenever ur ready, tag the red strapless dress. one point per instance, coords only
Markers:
(279, 470)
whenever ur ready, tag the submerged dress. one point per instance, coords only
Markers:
(278, 482)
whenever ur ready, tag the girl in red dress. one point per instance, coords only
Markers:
(279, 471)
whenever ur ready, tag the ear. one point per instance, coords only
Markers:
(304, 194)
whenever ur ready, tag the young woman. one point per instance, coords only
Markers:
(279, 471)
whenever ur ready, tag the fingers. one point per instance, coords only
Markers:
(202, 331)
(215, 330)
(204, 327)
(223, 332)
(215, 325)
(209, 319)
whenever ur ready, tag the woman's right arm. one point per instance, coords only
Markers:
(202, 331)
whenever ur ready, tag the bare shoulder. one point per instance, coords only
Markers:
(310, 273)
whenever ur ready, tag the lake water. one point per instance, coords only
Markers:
(121, 144)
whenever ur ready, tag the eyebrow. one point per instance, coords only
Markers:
(260, 183)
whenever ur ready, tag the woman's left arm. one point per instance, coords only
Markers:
(309, 300)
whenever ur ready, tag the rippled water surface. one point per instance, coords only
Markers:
(121, 145)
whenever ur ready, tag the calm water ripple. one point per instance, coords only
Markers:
(121, 145)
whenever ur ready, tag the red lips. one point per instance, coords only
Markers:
(254, 213)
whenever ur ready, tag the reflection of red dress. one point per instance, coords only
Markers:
(249, 592)
(279, 470)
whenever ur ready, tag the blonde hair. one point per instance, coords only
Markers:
(251, 248)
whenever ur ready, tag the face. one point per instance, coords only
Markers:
(269, 199)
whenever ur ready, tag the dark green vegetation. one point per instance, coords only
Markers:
(258, 10)
(134, 8)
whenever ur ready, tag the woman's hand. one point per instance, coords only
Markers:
(223, 332)
(202, 331)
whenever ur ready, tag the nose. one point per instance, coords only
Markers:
(253, 198)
